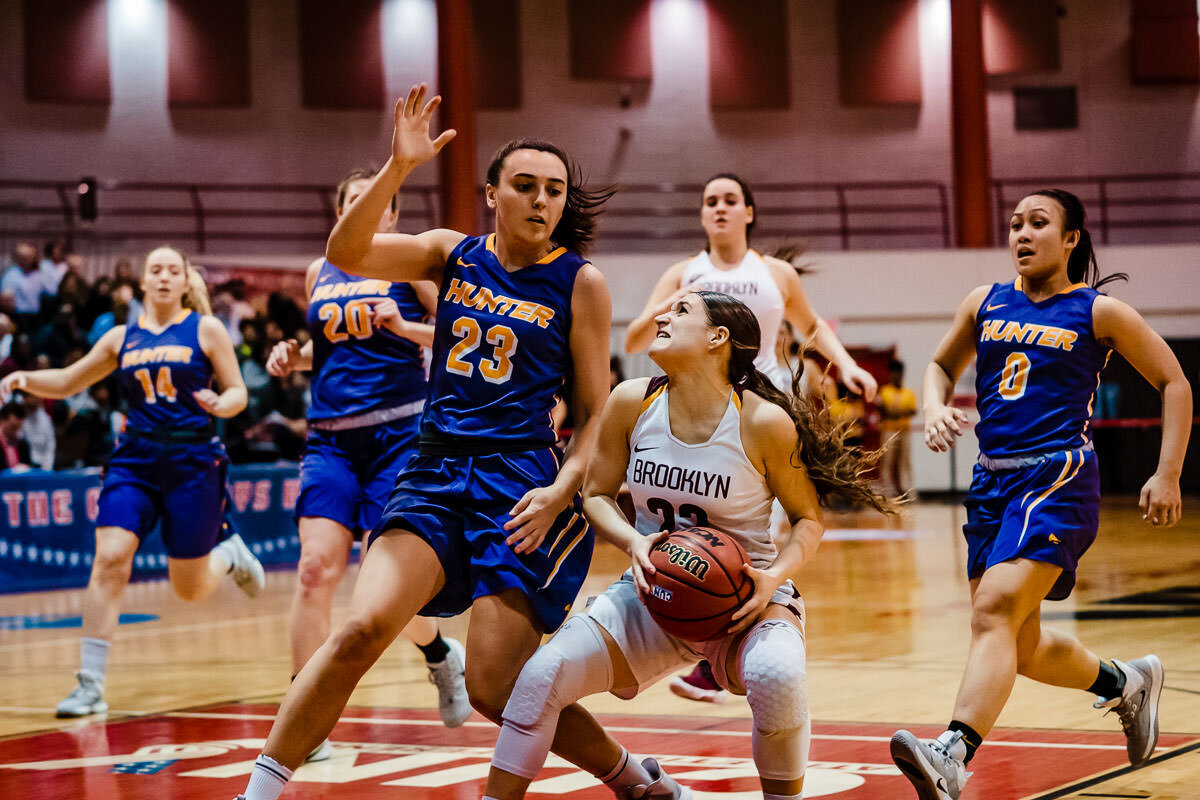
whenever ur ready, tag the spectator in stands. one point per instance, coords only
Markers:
(897, 407)
(6, 336)
(37, 431)
(23, 281)
(54, 264)
(99, 301)
(20, 355)
(122, 310)
(74, 289)
(13, 451)
(58, 336)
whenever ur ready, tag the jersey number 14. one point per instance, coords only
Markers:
(162, 386)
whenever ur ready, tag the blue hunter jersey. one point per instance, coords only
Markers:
(1038, 367)
(160, 371)
(501, 349)
(357, 367)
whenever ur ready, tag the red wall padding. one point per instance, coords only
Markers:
(208, 53)
(341, 53)
(66, 52)
(1020, 36)
(610, 39)
(879, 52)
(497, 53)
(748, 54)
(1165, 46)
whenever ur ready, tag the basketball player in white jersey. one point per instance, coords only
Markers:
(769, 286)
(714, 443)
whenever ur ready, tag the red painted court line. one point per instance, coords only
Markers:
(397, 753)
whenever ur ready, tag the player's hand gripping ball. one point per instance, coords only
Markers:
(698, 583)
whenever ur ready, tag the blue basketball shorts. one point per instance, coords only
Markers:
(1048, 511)
(460, 505)
(346, 476)
(181, 484)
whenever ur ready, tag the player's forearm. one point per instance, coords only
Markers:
(826, 343)
(1177, 426)
(418, 332)
(799, 549)
(639, 334)
(53, 384)
(350, 240)
(608, 521)
(231, 402)
(304, 357)
(937, 389)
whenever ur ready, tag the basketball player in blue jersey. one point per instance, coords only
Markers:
(485, 517)
(1040, 342)
(368, 388)
(716, 417)
(168, 465)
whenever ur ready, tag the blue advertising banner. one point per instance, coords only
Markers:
(47, 540)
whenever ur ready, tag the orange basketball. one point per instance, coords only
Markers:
(698, 583)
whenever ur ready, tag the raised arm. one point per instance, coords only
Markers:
(1117, 325)
(942, 422)
(811, 328)
(215, 342)
(641, 331)
(355, 247)
(58, 384)
(591, 319)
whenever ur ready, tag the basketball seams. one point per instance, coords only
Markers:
(704, 546)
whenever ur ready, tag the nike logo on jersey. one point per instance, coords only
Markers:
(462, 263)
(637, 449)
(991, 307)
(1054, 539)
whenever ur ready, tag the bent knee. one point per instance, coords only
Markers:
(360, 640)
(318, 572)
(993, 611)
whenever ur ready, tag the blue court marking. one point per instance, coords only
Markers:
(24, 623)
(142, 767)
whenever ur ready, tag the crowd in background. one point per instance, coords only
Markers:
(51, 314)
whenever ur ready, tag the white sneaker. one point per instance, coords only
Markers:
(86, 698)
(246, 570)
(662, 787)
(322, 752)
(449, 676)
(1137, 707)
(933, 772)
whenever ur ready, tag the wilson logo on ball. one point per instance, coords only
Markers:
(685, 558)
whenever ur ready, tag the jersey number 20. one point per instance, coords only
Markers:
(496, 369)
(358, 320)
(161, 387)
(1015, 376)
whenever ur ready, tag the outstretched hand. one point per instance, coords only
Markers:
(13, 382)
(411, 142)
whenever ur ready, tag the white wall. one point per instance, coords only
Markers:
(669, 133)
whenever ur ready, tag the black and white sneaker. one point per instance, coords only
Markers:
(1137, 707)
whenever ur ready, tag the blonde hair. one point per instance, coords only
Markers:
(195, 296)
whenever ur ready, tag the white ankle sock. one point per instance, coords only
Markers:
(93, 656)
(628, 772)
(267, 780)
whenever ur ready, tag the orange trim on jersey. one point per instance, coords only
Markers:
(553, 254)
(737, 401)
(1020, 287)
(490, 243)
(1061, 481)
(650, 398)
(558, 563)
(183, 314)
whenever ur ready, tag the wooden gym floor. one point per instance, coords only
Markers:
(193, 688)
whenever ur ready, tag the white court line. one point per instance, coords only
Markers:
(629, 729)
(131, 632)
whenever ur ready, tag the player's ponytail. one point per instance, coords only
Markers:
(835, 468)
(196, 296)
(1081, 264)
(577, 226)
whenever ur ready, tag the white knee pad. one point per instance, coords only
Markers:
(572, 665)
(772, 667)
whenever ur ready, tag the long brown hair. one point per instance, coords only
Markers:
(835, 468)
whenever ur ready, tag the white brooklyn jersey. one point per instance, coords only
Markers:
(677, 485)
(751, 282)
